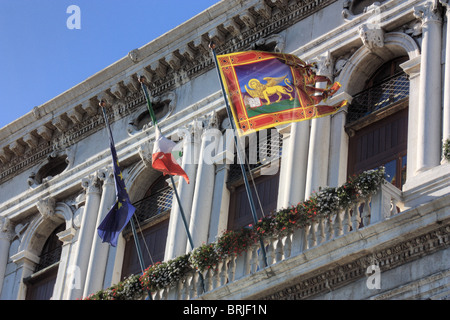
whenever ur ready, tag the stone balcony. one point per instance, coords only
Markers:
(322, 260)
(328, 255)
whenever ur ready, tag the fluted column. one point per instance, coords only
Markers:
(204, 183)
(446, 106)
(86, 234)
(177, 235)
(5, 241)
(429, 109)
(99, 251)
(319, 143)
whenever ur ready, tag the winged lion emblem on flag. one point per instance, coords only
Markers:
(272, 87)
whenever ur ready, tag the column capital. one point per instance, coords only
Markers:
(91, 184)
(325, 64)
(106, 175)
(428, 12)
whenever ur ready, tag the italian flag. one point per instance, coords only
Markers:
(163, 159)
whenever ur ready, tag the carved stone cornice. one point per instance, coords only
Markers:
(340, 275)
(261, 21)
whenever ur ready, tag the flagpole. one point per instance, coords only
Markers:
(133, 226)
(212, 46)
(183, 216)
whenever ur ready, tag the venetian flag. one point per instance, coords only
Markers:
(268, 89)
(122, 211)
(163, 159)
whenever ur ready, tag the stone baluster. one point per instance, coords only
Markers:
(312, 236)
(356, 219)
(338, 229)
(365, 215)
(287, 246)
(232, 268)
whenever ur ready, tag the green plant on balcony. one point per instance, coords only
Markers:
(322, 204)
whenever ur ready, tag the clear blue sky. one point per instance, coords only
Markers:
(40, 57)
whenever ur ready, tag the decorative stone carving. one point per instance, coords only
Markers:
(428, 12)
(91, 184)
(17, 148)
(45, 133)
(371, 36)
(134, 55)
(46, 207)
(145, 151)
(119, 90)
(6, 230)
(30, 140)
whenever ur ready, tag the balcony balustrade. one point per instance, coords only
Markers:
(366, 212)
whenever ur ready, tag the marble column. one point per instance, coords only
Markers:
(85, 234)
(296, 163)
(337, 167)
(429, 109)
(319, 144)
(221, 195)
(282, 201)
(204, 183)
(99, 250)
(177, 235)
(5, 241)
(446, 106)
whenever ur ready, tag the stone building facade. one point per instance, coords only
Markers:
(391, 59)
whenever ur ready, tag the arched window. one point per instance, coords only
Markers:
(152, 213)
(377, 123)
(41, 283)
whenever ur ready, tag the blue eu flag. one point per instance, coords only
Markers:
(122, 211)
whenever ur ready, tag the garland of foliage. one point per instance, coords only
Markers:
(446, 149)
(233, 243)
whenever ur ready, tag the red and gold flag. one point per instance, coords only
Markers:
(268, 89)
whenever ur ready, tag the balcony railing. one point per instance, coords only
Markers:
(153, 205)
(366, 212)
(390, 91)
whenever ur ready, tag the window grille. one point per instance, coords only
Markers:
(158, 203)
(382, 95)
